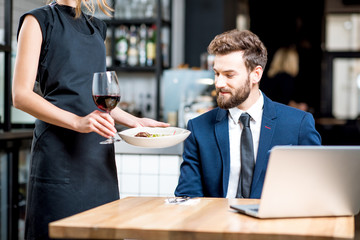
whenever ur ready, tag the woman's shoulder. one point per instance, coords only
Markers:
(42, 14)
(100, 25)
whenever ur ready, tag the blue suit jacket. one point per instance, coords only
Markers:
(206, 159)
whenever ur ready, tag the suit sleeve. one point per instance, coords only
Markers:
(190, 182)
(308, 134)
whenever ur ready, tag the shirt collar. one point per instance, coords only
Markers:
(255, 111)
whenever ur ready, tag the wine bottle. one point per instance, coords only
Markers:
(122, 45)
(133, 52)
(142, 45)
(151, 46)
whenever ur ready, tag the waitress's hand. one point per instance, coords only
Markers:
(99, 122)
(131, 121)
(147, 122)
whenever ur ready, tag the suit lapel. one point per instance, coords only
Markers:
(268, 125)
(222, 139)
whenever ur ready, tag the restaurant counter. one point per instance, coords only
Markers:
(124, 148)
(147, 171)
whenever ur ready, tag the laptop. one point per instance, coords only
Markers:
(309, 181)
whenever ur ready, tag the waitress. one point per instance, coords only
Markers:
(61, 47)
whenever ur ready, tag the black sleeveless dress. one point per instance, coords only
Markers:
(69, 171)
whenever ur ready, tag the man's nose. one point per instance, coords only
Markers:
(220, 82)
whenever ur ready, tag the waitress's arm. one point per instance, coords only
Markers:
(126, 119)
(25, 99)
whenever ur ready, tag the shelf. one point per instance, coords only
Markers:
(132, 69)
(15, 135)
(135, 21)
(4, 48)
(161, 24)
(135, 69)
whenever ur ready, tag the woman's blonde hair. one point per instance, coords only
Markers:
(90, 6)
(286, 59)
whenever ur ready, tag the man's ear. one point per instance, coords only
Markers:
(256, 75)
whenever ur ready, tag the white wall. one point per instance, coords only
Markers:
(147, 175)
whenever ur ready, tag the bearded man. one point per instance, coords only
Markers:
(221, 157)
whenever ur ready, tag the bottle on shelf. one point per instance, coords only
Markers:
(151, 46)
(108, 47)
(133, 52)
(165, 36)
(127, 9)
(150, 9)
(119, 9)
(122, 45)
(135, 9)
(142, 45)
(166, 9)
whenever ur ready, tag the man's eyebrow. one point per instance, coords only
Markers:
(229, 71)
(225, 71)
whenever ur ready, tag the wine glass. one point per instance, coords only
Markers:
(106, 94)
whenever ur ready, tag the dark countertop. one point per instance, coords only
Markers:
(16, 134)
(15, 138)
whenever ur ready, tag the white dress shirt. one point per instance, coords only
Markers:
(235, 129)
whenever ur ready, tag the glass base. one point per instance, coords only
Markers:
(110, 141)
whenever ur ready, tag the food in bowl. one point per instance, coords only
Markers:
(148, 135)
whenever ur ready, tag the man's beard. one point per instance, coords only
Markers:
(240, 95)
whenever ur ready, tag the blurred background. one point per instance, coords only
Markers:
(159, 50)
(159, 53)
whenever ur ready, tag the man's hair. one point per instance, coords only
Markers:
(254, 51)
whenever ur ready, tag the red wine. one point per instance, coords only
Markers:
(106, 102)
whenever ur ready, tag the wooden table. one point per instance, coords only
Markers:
(204, 218)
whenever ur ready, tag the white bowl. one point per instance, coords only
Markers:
(173, 136)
